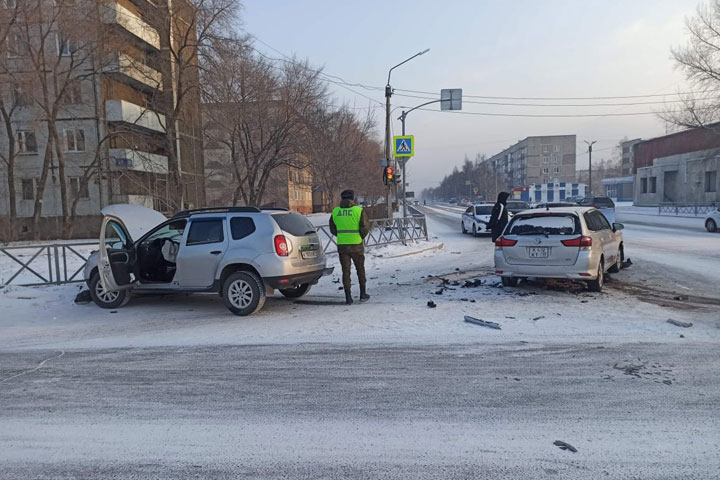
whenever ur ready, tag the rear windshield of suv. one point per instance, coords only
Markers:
(483, 210)
(294, 224)
(544, 225)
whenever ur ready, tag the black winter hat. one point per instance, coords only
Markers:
(347, 195)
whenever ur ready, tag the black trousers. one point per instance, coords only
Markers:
(356, 255)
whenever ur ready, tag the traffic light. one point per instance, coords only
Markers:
(388, 176)
(398, 178)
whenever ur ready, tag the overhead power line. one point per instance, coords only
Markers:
(561, 98)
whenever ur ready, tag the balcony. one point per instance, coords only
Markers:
(127, 159)
(134, 72)
(112, 13)
(125, 112)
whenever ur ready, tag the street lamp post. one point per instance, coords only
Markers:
(388, 136)
(590, 144)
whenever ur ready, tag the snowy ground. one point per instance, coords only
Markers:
(176, 386)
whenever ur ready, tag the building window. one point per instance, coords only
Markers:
(72, 96)
(545, 149)
(546, 170)
(653, 184)
(79, 188)
(555, 159)
(17, 46)
(556, 170)
(26, 142)
(643, 185)
(65, 46)
(556, 148)
(28, 189)
(546, 159)
(711, 181)
(75, 140)
(21, 98)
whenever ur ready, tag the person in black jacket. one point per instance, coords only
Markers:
(499, 217)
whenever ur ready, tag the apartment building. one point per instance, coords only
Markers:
(535, 160)
(112, 121)
(628, 160)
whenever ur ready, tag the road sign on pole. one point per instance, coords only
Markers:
(476, 190)
(404, 145)
(451, 99)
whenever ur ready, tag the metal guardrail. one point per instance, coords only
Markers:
(52, 264)
(382, 232)
(59, 263)
(695, 209)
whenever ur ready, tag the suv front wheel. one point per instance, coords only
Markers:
(105, 298)
(243, 293)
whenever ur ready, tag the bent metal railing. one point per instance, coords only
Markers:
(59, 263)
(50, 264)
(694, 209)
(383, 231)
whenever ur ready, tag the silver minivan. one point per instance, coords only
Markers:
(242, 253)
(575, 243)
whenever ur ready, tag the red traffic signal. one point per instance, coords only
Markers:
(388, 175)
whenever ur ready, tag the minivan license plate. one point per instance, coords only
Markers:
(309, 254)
(539, 252)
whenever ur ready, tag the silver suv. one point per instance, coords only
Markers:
(242, 253)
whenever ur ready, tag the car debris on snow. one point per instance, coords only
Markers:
(83, 297)
(564, 446)
(626, 263)
(678, 323)
(538, 318)
(483, 323)
(431, 304)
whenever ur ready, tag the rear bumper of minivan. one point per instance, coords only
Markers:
(288, 281)
(583, 269)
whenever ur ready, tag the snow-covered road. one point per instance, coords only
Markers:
(176, 386)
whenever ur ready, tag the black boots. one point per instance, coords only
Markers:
(364, 297)
(348, 297)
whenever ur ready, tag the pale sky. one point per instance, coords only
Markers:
(523, 48)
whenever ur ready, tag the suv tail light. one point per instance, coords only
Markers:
(281, 246)
(504, 242)
(583, 241)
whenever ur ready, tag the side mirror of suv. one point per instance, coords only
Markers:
(618, 226)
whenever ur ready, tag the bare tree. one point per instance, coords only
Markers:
(699, 60)
(256, 111)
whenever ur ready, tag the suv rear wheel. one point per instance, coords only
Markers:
(243, 293)
(296, 292)
(597, 284)
(104, 298)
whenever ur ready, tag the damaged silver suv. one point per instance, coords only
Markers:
(242, 253)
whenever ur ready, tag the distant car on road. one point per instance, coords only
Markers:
(453, 201)
(241, 253)
(576, 243)
(602, 203)
(476, 218)
(515, 206)
(712, 221)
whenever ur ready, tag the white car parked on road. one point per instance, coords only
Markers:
(475, 219)
(712, 221)
(575, 243)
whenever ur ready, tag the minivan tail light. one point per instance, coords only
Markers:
(281, 245)
(505, 242)
(583, 241)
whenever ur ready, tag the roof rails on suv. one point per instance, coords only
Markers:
(274, 209)
(187, 213)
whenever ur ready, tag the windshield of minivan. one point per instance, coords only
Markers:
(544, 225)
(294, 224)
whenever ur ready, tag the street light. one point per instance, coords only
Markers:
(590, 144)
(388, 139)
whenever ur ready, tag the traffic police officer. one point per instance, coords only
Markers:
(350, 225)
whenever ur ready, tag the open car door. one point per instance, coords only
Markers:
(116, 257)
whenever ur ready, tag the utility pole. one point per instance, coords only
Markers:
(388, 136)
(590, 144)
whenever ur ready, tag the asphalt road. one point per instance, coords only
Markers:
(338, 411)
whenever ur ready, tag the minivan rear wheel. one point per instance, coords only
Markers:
(597, 284)
(296, 292)
(710, 225)
(243, 293)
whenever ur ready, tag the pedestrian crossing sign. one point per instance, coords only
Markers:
(404, 146)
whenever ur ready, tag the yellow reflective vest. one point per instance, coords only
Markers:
(347, 222)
